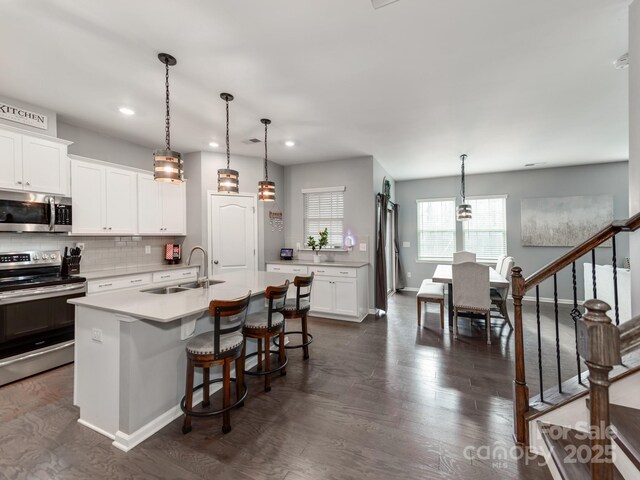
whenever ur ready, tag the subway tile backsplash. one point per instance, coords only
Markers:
(100, 253)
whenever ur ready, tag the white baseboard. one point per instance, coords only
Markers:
(561, 301)
(96, 429)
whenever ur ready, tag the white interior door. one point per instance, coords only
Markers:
(233, 232)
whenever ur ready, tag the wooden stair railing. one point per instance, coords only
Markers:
(522, 285)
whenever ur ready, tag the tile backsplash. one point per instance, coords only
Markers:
(100, 253)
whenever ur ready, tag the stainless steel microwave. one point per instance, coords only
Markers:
(34, 212)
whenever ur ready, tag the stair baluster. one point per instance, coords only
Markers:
(614, 260)
(539, 343)
(555, 309)
(575, 315)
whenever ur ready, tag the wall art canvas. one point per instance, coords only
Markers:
(564, 221)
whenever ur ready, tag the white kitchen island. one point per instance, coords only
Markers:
(130, 359)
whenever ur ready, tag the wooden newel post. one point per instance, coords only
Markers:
(599, 345)
(520, 389)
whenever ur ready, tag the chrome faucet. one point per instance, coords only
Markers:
(202, 280)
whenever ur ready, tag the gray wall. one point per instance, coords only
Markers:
(88, 143)
(356, 174)
(610, 178)
(51, 117)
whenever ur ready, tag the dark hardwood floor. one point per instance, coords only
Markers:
(383, 399)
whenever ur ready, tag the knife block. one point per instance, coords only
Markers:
(71, 265)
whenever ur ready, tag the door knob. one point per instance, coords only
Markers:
(215, 262)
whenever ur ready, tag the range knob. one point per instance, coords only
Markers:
(53, 256)
(36, 257)
(44, 256)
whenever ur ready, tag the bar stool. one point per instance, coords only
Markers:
(266, 325)
(221, 346)
(299, 308)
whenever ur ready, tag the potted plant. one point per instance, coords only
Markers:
(316, 245)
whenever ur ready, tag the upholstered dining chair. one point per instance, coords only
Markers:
(471, 293)
(499, 262)
(460, 257)
(499, 296)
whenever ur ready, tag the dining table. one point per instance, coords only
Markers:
(443, 274)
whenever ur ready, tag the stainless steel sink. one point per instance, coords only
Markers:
(196, 285)
(166, 290)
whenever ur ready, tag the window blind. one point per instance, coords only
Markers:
(324, 209)
(436, 228)
(486, 232)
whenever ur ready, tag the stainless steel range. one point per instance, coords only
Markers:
(36, 323)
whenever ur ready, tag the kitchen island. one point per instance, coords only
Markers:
(130, 360)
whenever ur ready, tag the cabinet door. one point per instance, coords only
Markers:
(11, 160)
(322, 293)
(173, 208)
(121, 199)
(346, 296)
(44, 166)
(149, 206)
(88, 197)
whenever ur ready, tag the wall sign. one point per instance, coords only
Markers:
(20, 115)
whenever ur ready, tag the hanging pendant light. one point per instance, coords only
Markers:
(228, 180)
(464, 209)
(266, 189)
(167, 164)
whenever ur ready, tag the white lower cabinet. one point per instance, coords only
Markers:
(109, 284)
(337, 292)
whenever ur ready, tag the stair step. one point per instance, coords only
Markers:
(565, 452)
(626, 421)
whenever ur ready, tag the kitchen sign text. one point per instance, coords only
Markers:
(20, 115)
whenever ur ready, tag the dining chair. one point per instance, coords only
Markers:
(499, 296)
(460, 257)
(499, 262)
(471, 293)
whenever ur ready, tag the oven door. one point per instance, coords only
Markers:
(36, 329)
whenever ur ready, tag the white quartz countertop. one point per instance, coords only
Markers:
(321, 264)
(167, 308)
(119, 272)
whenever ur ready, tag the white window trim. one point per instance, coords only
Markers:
(341, 188)
(420, 259)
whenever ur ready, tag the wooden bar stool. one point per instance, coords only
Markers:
(221, 346)
(299, 308)
(266, 325)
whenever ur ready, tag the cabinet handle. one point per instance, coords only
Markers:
(186, 273)
(105, 285)
(165, 276)
(136, 281)
(18, 182)
(109, 228)
(104, 228)
(276, 268)
(344, 273)
(27, 184)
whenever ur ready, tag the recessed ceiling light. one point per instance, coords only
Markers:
(213, 145)
(126, 111)
(290, 143)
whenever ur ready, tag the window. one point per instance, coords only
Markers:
(436, 228)
(324, 208)
(486, 233)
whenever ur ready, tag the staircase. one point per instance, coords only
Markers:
(587, 428)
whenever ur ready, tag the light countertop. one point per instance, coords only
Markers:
(321, 264)
(167, 308)
(119, 272)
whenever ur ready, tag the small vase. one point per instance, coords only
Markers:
(316, 258)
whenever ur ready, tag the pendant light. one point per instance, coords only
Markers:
(228, 180)
(464, 209)
(266, 189)
(167, 164)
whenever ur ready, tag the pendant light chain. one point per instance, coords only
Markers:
(266, 171)
(167, 125)
(463, 157)
(228, 148)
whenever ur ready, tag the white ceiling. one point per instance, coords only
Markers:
(414, 84)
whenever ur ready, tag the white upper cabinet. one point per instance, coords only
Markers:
(161, 207)
(10, 160)
(45, 166)
(88, 197)
(103, 198)
(33, 164)
(149, 206)
(121, 199)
